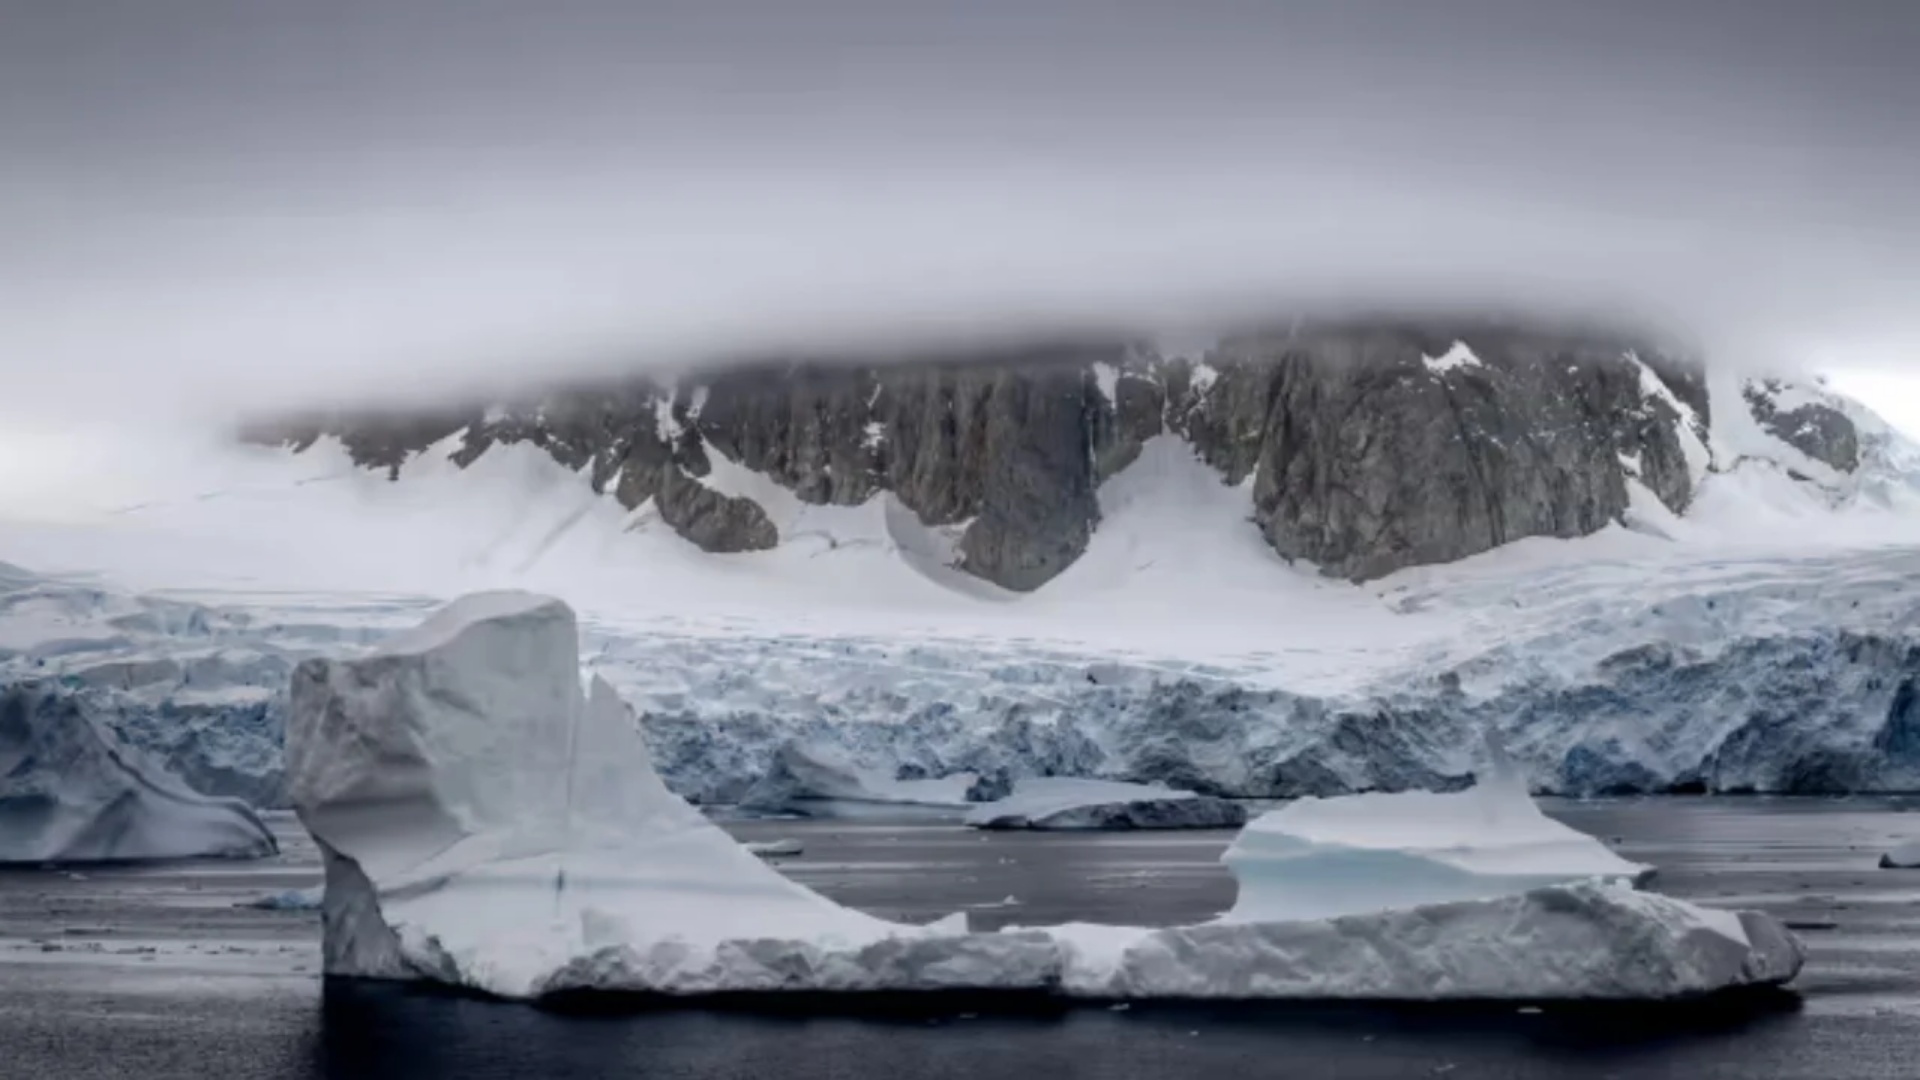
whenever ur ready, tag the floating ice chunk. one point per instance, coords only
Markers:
(1067, 803)
(485, 824)
(1587, 941)
(1322, 858)
(70, 791)
(808, 779)
(1904, 857)
(287, 900)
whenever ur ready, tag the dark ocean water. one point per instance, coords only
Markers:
(153, 973)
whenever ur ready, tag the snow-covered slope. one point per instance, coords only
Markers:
(485, 824)
(1766, 640)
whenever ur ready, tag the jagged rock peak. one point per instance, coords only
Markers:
(1372, 443)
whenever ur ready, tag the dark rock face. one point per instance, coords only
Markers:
(1821, 432)
(1377, 444)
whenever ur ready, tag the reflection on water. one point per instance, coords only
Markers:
(376, 1030)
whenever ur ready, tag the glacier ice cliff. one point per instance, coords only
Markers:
(486, 824)
(1783, 675)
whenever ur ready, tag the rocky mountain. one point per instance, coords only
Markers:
(1366, 444)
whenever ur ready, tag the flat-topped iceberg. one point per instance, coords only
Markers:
(486, 824)
(72, 792)
(1321, 858)
(1071, 803)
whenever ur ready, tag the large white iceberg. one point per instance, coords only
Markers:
(72, 792)
(1321, 858)
(486, 824)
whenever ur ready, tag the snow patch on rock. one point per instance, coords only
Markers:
(1457, 356)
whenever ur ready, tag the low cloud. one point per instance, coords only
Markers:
(332, 210)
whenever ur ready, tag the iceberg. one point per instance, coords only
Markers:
(1324, 858)
(1904, 857)
(70, 791)
(1069, 803)
(486, 824)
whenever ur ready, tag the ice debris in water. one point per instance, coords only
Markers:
(1072, 803)
(485, 823)
(1904, 857)
(815, 780)
(307, 899)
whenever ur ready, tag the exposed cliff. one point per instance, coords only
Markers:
(1372, 444)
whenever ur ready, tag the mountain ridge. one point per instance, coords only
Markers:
(1371, 444)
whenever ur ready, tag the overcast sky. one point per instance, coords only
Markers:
(209, 205)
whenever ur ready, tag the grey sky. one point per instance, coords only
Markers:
(210, 204)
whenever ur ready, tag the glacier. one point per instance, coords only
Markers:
(1737, 673)
(1768, 641)
(486, 824)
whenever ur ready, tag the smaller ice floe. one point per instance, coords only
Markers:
(812, 780)
(1067, 803)
(1324, 858)
(72, 792)
(768, 849)
(1904, 857)
(289, 900)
